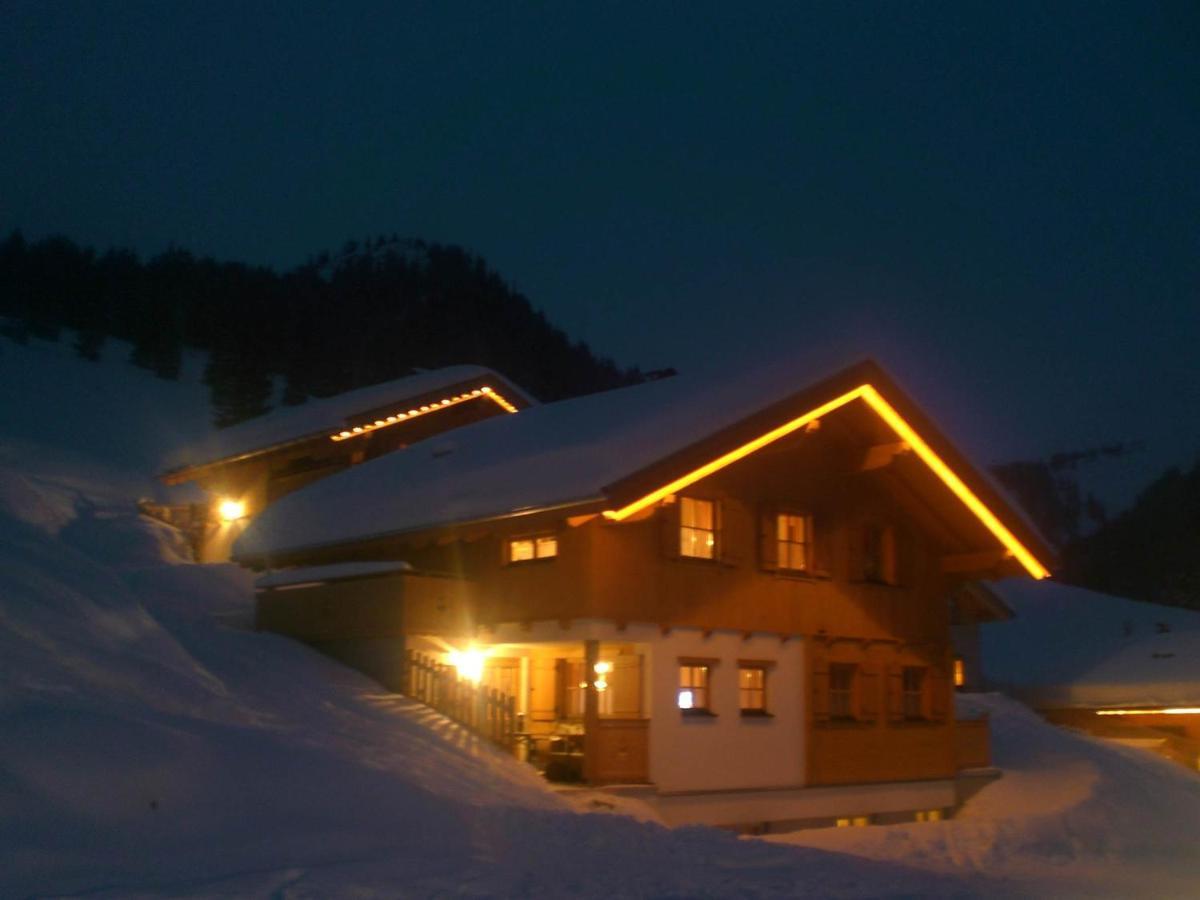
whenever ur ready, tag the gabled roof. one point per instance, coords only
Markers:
(614, 452)
(327, 417)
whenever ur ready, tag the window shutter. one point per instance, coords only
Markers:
(822, 542)
(895, 693)
(820, 689)
(938, 693)
(543, 694)
(668, 529)
(722, 550)
(888, 558)
(768, 540)
(868, 698)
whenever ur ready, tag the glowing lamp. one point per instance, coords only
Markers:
(469, 664)
(231, 510)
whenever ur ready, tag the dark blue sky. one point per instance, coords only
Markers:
(1000, 202)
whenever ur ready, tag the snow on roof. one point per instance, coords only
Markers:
(334, 572)
(551, 456)
(328, 414)
(1074, 647)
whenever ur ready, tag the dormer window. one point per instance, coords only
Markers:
(528, 549)
(697, 528)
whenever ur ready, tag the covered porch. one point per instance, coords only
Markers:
(575, 710)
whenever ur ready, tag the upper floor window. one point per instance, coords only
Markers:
(752, 688)
(697, 528)
(877, 554)
(527, 549)
(793, 540)
(693, 694)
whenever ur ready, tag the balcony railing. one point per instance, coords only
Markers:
(484, 711)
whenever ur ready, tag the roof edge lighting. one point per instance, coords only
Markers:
(1159, 711)
(425, 408)
(904, 431)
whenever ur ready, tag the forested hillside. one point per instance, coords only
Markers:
(372, 312)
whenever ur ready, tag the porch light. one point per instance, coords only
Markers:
(602, 669)
(231, 510)
(469, 664)
(434, 406)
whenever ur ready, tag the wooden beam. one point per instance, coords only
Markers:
(881, 455)
(974, 562)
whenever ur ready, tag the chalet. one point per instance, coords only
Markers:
(1116, 668)
(243, 469)
(734, 593)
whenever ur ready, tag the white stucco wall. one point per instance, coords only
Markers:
(726, 751)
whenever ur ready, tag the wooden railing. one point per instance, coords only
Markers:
(485, 711)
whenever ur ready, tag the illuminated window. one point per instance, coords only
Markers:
(531, 548)
(878, 554)
(693, 688)
(752, 688)
(841, 690)
(854, 822)
(929, 815)
(913, 692)
(697, 528)
(960, 672)
(793, 535)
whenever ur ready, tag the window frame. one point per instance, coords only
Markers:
(714, 531)
(781, 543)
(913, 707)
(878, 563)
(763, 667)
(691, 665)
(535, 541)
(847, 694)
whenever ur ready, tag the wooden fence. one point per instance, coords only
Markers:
(485, 711)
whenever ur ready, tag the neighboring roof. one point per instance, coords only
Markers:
(325, 416)
(323, 574)
(605, 449)
(1068, 646)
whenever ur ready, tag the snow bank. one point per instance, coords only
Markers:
(1071, 816)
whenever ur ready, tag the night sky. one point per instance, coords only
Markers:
(1001, 203)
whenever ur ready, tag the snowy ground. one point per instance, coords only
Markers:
(151, 745)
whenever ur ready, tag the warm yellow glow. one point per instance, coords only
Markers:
(469, 663)
(903, 430)
(960, 673)
(603, 667)
(231, 510)
(432, 407)
(1163, 711)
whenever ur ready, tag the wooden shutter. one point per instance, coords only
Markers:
(895, 693)
(562, 674)
(820, 688)
(937, 690)
(625, 682)
(868, 693)
(668, 529)
(888, 560)
(768, 540)
(822, 544)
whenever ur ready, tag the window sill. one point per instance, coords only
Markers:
(530, 562)
(697, 714)
(800, 575)
(757, 714)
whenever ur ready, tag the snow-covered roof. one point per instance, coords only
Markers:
(333, 572)
(325, 415)
(1070, 646)
(552, 456)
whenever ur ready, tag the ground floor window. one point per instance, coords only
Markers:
(693, 694)
(841, 690)
(913, 692)
(752, 688)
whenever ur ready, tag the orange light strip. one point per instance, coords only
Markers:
(406, 416)
(904, 431)
(1164, 711)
